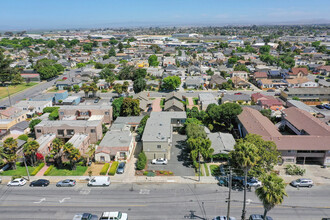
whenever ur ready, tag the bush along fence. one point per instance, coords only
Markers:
(48, 170)
(104, 169)
(113, 168)
(37, 169)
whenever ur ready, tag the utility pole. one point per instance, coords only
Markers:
(27, 170)
(9, 96)
(199, 167)
(244, 202)
(229, 192)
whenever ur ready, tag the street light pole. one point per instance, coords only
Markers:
(229, 193)
(199, 167)
(9, 96)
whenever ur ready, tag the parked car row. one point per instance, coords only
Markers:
(95, 181)
(324, 106)
(104, 216)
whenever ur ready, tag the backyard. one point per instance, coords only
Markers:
(14, 89)
(80, 170)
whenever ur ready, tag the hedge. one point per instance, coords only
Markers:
(37, 169)
(49, 109)
(104, 169)
(142, 161)
(48, 170)
(113, 168)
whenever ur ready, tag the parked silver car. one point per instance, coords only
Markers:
(66, 183)
(159, 161)
(302, 182)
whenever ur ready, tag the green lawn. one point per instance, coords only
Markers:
(20, 171)
(214, 170)
(162, 103)
(15, 89)
(80, 170)
(195, 101)
(206, 170)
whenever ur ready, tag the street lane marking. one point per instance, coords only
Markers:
(41, 200)
(64, 199)
(72, 205)
(144, 191)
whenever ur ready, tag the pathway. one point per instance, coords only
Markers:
(191, 103)
(42, 171)
(156, 105)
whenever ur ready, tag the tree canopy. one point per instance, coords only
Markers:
(171, 82)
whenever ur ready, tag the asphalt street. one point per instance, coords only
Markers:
(154, 201)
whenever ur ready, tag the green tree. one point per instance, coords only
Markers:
(126, 72)
(106, 72)
(199, 147)
(51, 43)
(93, 88)
(87, 47)
(171, 82)
(30, 150)
(241, 67)
(139, 73)
(98, 66)
(112, 52)
(130, 107)
(141, 161)
(225, 114)
(209, 72)
(264, 49)
(118, 88)
(245, 155)
(17, 79)
(194, 130)
(139, 85)
(9, 151)
(232, 60)
(120, 47)
(153, 60)
(142, 125)
(272, 192)
(125, 86)
(6, 71)
(113, 41)
(72, 153)
(116, 107)
(76, 88)
(85, 88)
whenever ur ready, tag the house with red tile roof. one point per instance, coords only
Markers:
(305, 140)
(298, 72)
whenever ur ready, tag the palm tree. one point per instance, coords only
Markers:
(56, 152)
(85, 88)
(93, 88)
(91, 152)
(272, 192)
(30, 149)
(72, 153)
(9, 151)
(245, 155)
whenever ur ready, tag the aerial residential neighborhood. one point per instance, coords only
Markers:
(171, 121)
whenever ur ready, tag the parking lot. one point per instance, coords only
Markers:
(179, 163)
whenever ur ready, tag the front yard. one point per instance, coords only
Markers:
(80, 170)
(20, 171)
(14, 89)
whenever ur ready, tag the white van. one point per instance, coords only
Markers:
(99, 181)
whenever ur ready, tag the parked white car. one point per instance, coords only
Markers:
(113, 216)
(17, 182)
(159, 161)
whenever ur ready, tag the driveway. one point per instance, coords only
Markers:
(178, 163)
(156, 105)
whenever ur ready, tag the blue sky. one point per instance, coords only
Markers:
(41, 14)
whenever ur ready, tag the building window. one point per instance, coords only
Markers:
(122, 154)
(102, 158)
(70, 132)
(106, 113)
(60, 132)
(61, 113)
(92, 130)
(38, 130)
(159, 146)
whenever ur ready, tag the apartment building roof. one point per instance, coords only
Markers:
(78, 139)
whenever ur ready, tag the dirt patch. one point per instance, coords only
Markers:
(95, 168)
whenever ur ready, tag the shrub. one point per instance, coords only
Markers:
(53, 115)
(145, 173)
(170, 173)
(49, 109)
(104, 169)
(39, 156)
(161, 172)
(294, 170)
(23, 137)
(220, 156)
(113, 168)
(165, 173)
(142, 161)
(48, 170)
(37, 169)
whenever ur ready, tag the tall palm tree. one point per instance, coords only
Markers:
(91, 152)
(246, 156)
(93, 88)
(85, 88)
(56, 152)
(30, 149)
(272, 192)
(9, 151)
(72, 153)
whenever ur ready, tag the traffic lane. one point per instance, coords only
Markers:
(168, 199)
